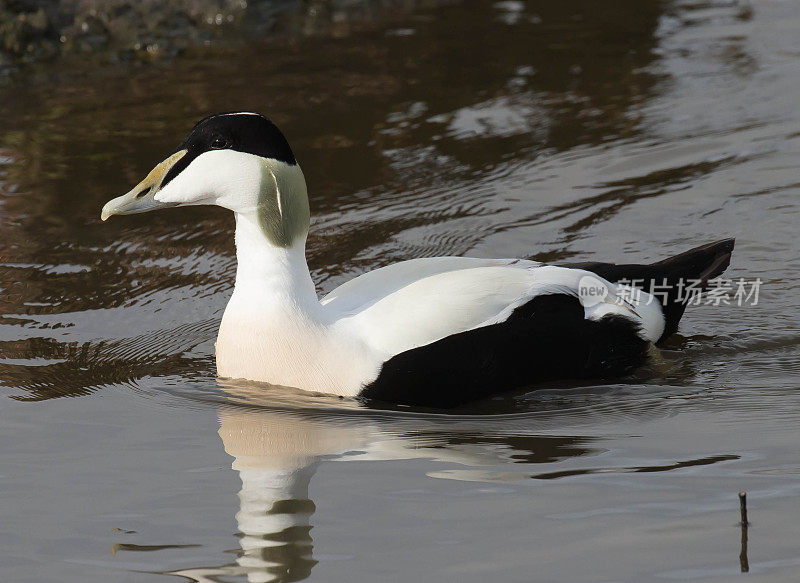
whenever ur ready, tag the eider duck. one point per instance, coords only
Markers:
(435, 331)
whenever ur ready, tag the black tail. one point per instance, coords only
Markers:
(698, 266)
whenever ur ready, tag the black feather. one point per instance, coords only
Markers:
(545, 339)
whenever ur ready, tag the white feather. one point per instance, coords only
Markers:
(374, 285)
(436, 306)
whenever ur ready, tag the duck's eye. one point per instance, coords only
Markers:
(220, 143)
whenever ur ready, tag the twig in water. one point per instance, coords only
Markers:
(743, 562)
(743, 507)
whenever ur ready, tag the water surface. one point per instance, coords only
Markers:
(558, 131)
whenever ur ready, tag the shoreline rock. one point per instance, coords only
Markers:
(40, 30)
(121, 30)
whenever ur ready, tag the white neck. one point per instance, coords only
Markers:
(271, 277)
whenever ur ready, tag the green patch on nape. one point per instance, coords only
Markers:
(283, 212)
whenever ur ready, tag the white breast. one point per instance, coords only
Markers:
(285, 348)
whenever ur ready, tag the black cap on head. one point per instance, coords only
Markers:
(251, 133)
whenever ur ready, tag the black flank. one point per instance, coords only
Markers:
(546, 339)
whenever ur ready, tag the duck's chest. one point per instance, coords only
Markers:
(290, 349)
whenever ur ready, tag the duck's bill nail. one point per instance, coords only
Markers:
(141, 197)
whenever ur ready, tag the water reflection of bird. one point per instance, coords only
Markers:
(277, 450)
(431, 331)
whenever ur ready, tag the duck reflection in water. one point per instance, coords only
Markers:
(277, 449)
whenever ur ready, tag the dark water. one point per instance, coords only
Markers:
(557, 130)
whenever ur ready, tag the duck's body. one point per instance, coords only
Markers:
(433, 331)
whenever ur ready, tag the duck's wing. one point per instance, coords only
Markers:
(433, 307)
(365, 290)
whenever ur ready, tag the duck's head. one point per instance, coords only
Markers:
(239, 161)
